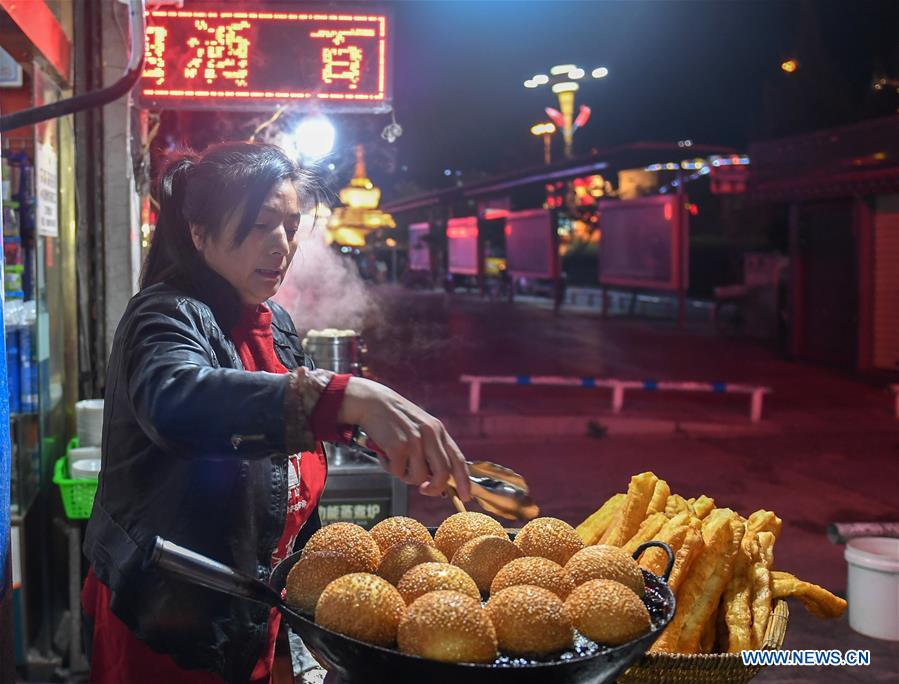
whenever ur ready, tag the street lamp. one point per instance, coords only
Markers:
(545, 130)
(789, 66)
(564, 83)
(313, 138)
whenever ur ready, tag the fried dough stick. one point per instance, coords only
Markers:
(763, 521)
(659, 499)
(672, 533)
(595, 526)
(817, 600)
(760, 578)
(702, 506)
(737, 600)
(649, 528)
(701, 592)
(677, 504)
(686, 555)
(639, 495)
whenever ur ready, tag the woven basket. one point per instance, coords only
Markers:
(717, 668)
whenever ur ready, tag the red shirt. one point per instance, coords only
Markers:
(119, 656)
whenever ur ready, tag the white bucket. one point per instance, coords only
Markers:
(873, 586)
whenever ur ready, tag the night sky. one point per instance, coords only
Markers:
(708, 71)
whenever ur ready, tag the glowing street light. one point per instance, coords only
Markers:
(313, 138)
(565, 87)
(563, 79)
(545, 130)
(789, 66)
(560, 69)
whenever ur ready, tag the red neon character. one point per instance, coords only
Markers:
(154, 65)
(221, 52)
(342, 62)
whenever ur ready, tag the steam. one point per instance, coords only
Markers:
(324, 290)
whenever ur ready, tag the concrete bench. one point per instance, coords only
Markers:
(618, 387)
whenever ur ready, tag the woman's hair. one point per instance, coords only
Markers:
(208, 189)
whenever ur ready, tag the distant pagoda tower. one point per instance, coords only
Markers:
(350, 224)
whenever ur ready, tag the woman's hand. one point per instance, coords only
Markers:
(418, 448)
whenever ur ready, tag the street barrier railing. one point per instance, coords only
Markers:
(618, 387)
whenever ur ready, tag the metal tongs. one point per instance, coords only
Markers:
(497, 489)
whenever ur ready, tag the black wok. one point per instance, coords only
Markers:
(357, 661)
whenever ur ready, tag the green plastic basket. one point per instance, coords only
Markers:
(77, 495)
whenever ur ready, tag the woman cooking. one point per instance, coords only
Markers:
(212, 423)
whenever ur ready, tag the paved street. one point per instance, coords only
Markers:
(423, 341)
(827, 449)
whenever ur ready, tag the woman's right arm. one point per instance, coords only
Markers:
(417, 446)
(184, 402)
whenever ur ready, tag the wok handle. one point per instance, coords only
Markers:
(190, 566)
(662, 545)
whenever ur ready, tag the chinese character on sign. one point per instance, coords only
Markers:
(154, 66)
(342, 62)
(346, 512)
(359, 512)
(332, 512)
(374, 510)
(220, 51)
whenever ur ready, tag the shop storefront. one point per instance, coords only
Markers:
(842, 190)
(62, 305)
(39, 311)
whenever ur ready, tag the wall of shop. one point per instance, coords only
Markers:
(841, 187)
(40, 324)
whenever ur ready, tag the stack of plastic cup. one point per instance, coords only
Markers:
(89, 422)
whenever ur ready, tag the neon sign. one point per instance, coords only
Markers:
(198, 59)
(463, 251)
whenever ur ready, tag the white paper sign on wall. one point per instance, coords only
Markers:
(47, 216)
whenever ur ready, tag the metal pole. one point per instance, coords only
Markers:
(755, 411)
(682, 254)
(76, 658)
(474, 396)
(617, 398)
(566, 105)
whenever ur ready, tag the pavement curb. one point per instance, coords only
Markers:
(488, 425)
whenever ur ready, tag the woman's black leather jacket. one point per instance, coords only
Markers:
(194, 450)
